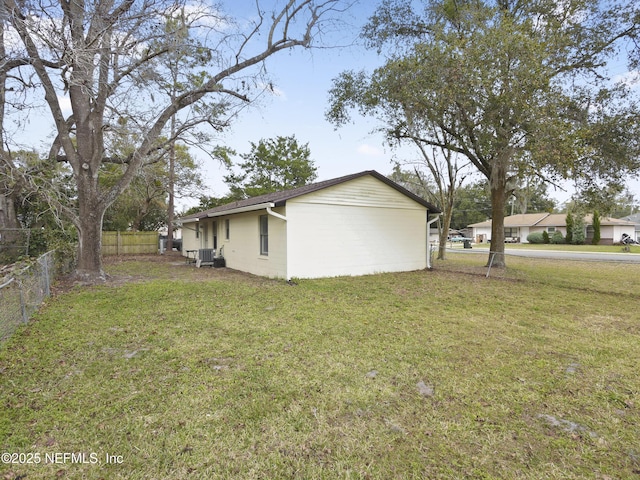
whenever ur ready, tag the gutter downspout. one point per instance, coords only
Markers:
(281, 217)
(277, 215)
(429, 222)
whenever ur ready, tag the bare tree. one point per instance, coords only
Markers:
(99, 56)
(444, 169)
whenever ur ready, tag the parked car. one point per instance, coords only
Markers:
(177, 242)
(460, 239)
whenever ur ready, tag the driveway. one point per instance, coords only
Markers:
(561, 254)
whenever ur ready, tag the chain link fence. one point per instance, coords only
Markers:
(22, 292)
(14, 244)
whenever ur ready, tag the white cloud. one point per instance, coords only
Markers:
(369, 151)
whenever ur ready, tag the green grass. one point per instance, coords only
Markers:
(565, 247)
(205, 373)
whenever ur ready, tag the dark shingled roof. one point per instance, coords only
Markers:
(279, 199)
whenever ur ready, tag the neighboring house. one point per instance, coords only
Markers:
(518, 227)
(354, 225)
(635, 219)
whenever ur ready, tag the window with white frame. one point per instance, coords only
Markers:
(226, 229)
(264, 234)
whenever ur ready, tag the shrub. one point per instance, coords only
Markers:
(545, 237)
(557, 237)
(596, 228)
(569, 224)
(535, 237)
(578, 236)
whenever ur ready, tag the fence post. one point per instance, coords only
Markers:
(491, 257)
(45, 266)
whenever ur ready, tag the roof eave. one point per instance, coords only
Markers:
(248, 208)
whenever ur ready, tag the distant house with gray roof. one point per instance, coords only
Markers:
(518, 227)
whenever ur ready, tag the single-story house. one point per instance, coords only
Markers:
(518, 227)
(358, 224)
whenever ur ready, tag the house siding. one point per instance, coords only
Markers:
(242, 248)
(189, 239)
(362, 227)
(365, 192)
(203, 239)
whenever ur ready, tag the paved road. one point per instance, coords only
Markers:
(560, 254)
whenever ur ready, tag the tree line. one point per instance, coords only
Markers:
(520, 93)
(138, 75)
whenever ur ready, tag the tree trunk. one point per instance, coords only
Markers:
(172, 173)
(89, 225)
(8, 217)
(444, 232)
(498, 188)
(89, 267)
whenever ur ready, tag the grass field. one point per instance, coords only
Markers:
(173, 372)
(570, 248)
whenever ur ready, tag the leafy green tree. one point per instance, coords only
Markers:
(182, 67)
(272, 165)
(102, 56)
(499, 78)
(143, 205)
(472, 205)
(603, 199)
(206, 202)
(569, 223)
(43, 227)
(531, 196)
(473, 202)
(415, 181)
(625, 204)
(596, 228)
(578, 230)
(545, 237)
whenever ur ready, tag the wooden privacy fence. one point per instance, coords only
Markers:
(129, 243)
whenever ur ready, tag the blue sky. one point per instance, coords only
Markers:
(302, 79)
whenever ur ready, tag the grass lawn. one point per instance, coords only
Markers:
(565, 247)
(175, 372)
